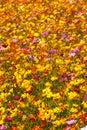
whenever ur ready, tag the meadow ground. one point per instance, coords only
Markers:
(43, 64)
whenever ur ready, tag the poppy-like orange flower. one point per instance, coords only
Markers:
(37, 128)
(20, 114)
(40, 116)
(13, 128)
(32, 117)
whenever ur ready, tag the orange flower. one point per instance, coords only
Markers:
(73, 129)
(13, 128)
(20, 114)
(11, 105)
(40, 116)
(32, 117)
(62, 108)
(37, 128)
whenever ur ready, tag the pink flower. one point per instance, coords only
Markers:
(1, 48)
(67, 128)
(49, 59)
(76, 50)
(85, 74)
(48, 120)
(72, 54)
(15, 40)
(70, 122)
(2, 127)
(45, 33)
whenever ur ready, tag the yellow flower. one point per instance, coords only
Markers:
(26, 84)
(37, 102)
(40, 67)
(2, 109)
(61, 22)
(1, 73)
(85, 58)
(53, 78)
(78, 68)
(47, 92)
(48, 84)
(26, 73)
(36, 34)
(48, 66)
(84, 104)
(36, 60)
(73, 110)
(59, 61)
(75, 105)
(1, 121)
(72, 95)
(56, 110)
(56, 123)
(49, 95)
(83, 88)
(24, 117)
(76, 81)
(56, 96)
(22, 104)
(20, 37)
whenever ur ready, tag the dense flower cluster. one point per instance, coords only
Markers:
(43, 64)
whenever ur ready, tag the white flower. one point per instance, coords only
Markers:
(84, 128)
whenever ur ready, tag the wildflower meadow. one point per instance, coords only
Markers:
(43, 64)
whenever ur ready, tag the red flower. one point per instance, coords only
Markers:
(28, 91)
(43, 123)
(76, 90)
(13, 128)
(43, 55)
(84, 116)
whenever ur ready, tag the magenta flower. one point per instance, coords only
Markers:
(76, 50)
(36, 77)
(45, 33)
(52, 51)
(70, 122)
(16, 98)
(2, 127)
(45, 12)
(86, 98)
(8, 119)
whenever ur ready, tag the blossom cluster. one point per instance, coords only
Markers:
(43, 64)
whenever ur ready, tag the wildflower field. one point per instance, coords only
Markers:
(43, 64)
